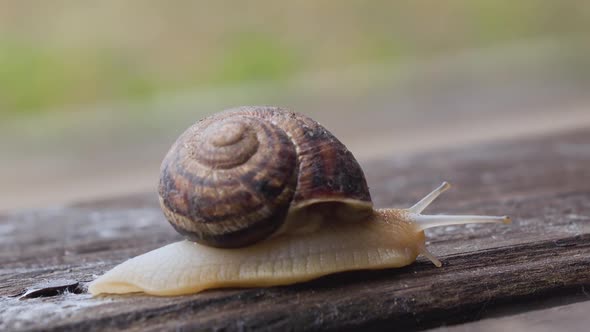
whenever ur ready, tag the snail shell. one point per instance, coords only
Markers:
(234, 178)
(269, 197)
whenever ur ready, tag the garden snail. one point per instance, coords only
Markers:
(269, 197)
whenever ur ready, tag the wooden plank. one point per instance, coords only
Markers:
(570, 317)
(544, 183)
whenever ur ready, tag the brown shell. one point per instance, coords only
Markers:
(231, 178)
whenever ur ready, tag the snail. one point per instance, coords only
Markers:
(265, 197)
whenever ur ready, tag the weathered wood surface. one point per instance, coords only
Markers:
(543, 183)
(555, 318)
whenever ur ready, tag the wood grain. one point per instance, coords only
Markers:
(556, 318)
(543, 183)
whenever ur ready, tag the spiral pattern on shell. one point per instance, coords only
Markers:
(231, 179)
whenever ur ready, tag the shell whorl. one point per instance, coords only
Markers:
(231, 178)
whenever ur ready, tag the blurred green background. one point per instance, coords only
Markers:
(93, 93)
(68, 53)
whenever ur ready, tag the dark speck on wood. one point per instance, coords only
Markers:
(52, 288)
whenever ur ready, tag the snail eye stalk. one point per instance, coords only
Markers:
(429, 221)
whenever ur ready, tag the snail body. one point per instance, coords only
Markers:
(269, 197)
